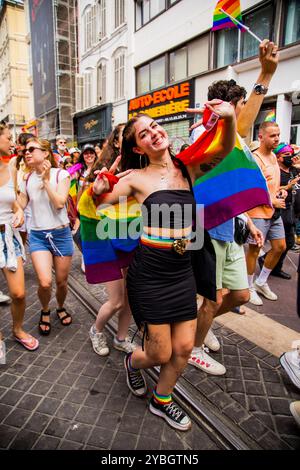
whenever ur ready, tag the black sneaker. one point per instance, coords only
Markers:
(135, 380)
(174, 416)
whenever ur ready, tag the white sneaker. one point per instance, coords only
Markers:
(2, 352)
(203, 361)
(126, 346)
(265, 291)
(211, 341)
(99, 342)
(295, 410)
(254, 297)
(4, 298)
(290, 361)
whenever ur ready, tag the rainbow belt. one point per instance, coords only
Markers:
(177, 244)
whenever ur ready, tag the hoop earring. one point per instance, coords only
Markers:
(141, 167)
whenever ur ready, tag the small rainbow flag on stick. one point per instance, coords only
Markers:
(271, 116)
(221, 20)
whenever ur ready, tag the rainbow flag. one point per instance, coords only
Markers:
(221, 20)
(234, 186)
(107, 246)
(271, 116)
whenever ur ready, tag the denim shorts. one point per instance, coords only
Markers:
(271, 229)
(58, 241)
(17, 246)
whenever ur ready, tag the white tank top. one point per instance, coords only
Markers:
(7, 198)
(44, 215)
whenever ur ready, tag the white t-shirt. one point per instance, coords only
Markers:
(44, 215)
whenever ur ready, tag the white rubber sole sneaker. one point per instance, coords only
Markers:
(204, 362)
(265, 291)
(211, 341)
(291, 370)
(254, 297)
(295, 410)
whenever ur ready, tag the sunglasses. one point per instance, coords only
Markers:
(32, 149)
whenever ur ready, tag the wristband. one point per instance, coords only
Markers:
(112, 179)
(209, 119)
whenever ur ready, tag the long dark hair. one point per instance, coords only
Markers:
(22, 139)
(131, 160)
(112, 150)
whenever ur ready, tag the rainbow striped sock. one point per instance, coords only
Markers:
(162, 399)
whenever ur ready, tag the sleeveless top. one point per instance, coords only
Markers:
(7, 198)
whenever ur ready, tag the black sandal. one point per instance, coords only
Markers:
(42, 322)
(64, 317)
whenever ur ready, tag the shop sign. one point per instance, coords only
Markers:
(165, 105)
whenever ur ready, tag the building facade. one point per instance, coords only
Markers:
(52, 38)
(174, 44)
(105, 80)
(14, 86)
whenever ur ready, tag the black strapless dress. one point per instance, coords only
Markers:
(160, 282)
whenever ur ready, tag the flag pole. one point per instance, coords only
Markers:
(234, 20)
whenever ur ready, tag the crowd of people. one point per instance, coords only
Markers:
(42, 196)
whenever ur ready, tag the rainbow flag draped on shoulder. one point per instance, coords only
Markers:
(107, 246)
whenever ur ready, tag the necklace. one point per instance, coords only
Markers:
(161, 165)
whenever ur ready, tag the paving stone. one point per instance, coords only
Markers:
(199, 440)
(69, 445)
(67, 379)
(259, 352)
(43, 361)
(272, 361)
(266, 419)
(38, 422)
(154, 423)
(234, 386)
(86, 415)
(109, 419)
(41, 388)
(101, 437)
(236, 412)
(50, 375)
(95, 400)
(271, 442)
(57, 427)
(23, 384)
(29, 402)
(58, 391)
(67, 410)
(254, 388)
(258, 404)
(271, 376)
(7, 380)
(233, 372)
(124, 440)
(79, 433)
(254, 427)
(280, 406)
(206, 387)
(276, 390)
(92, 371)
(148, 443)
(286, 425)
(11, 397)
(129, 424)
(7, 434)
(171, 441)
(47, 443)
(247, 345)
(84, 383)
(229, 350)
(116, 404)
(48, 406)
(24, 440)
(220, 399)
(17, 418)
(251, 374)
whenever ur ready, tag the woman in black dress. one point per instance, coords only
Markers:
(161, 285)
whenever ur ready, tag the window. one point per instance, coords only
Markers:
(143, 79)
(87, 86)
(178, 64)
(157, 73)
(102, 14)
(145, 10)
(227, 51)
(101, 82)
(79, 92)
(292, 22)
(87, 22)
(119, 13)
(119, 66)
(198, 54)
(259, 21)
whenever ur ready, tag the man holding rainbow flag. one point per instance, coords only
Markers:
(231, 264)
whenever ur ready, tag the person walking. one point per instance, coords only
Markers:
(160, 282)
(12, 253)
(50, 239)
